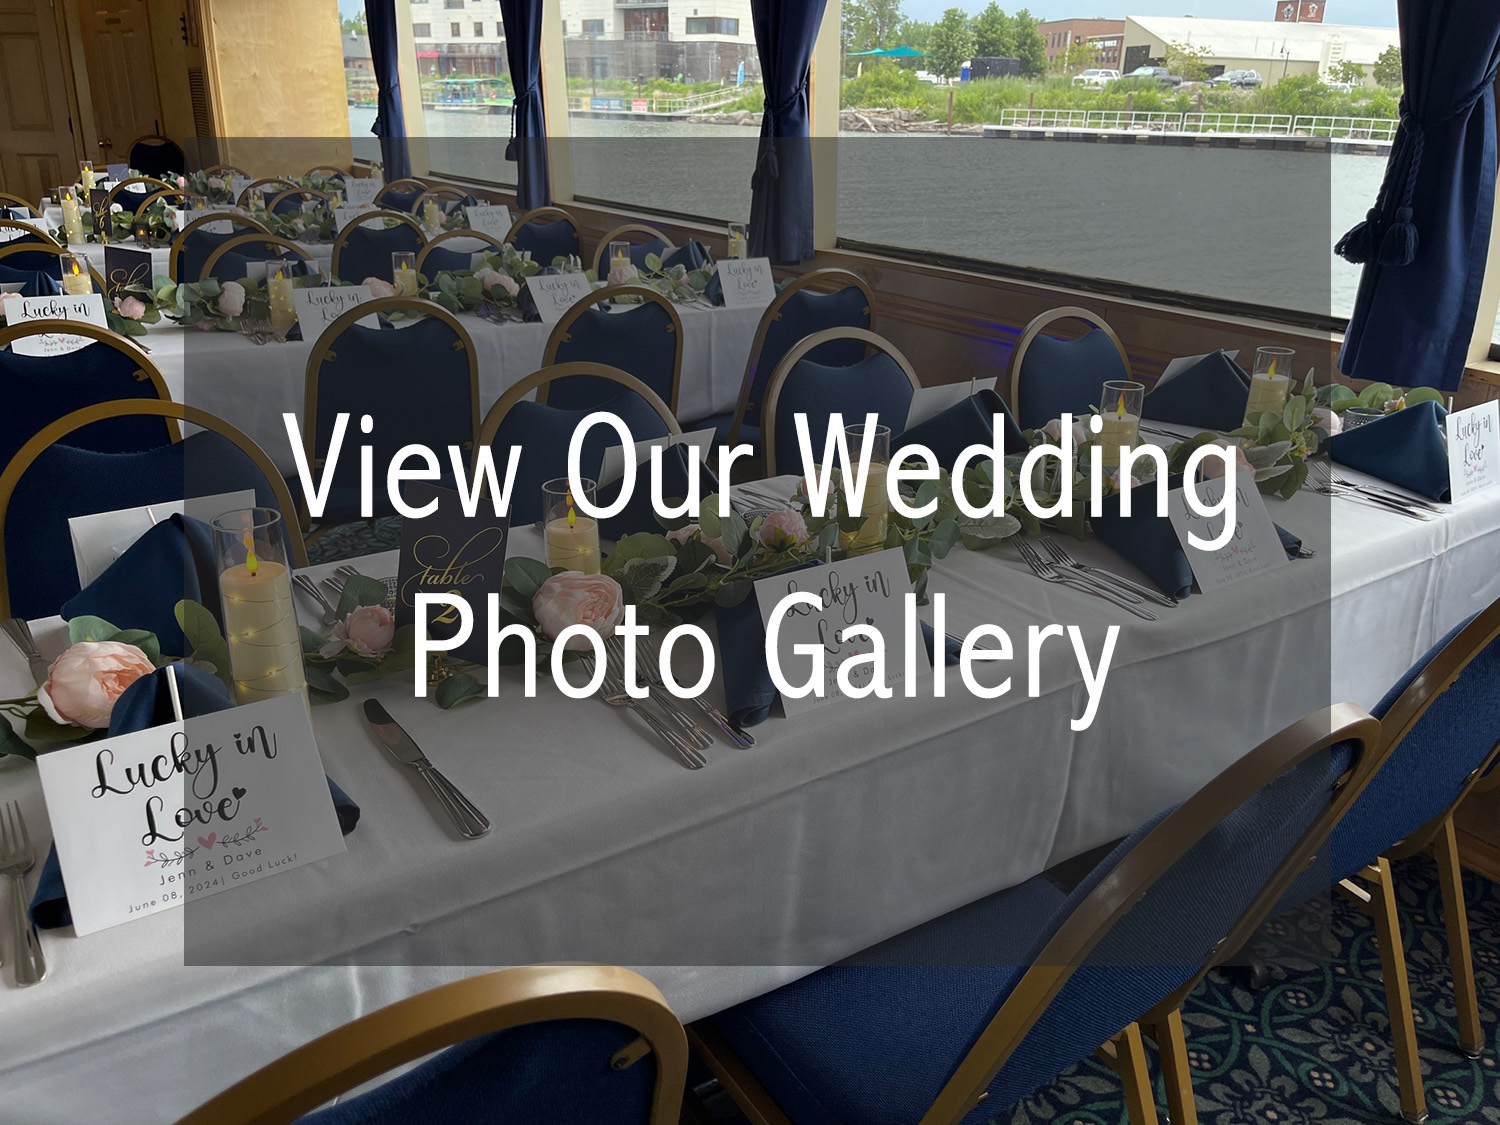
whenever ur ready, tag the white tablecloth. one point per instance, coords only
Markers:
(161, 256)
(836, 830)
(253, 386)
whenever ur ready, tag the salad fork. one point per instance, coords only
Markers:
(1048, 573)
(651, 670)
(616, 696)
(614, 648)
(1061, 556)
(16, 858)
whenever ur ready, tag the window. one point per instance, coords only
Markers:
(455, 30)
(453, 4)
(421, 31)
(712, 25)
(593, 27)
(478, 29)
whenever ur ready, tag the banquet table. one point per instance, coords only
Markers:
(321, 254)
(252, 386)
(839, 828)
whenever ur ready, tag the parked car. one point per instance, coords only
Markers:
(1096, 76)
(1158, 74)
(1242, 79)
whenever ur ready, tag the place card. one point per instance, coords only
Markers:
(747, 283)
(867, 590)
(320, 306)
(125, 266)
(490, 219)
(358, 190)
(556, 293)
(343, 216)
(1177, 366)
(117, 172)
(929, 402)
(448, 552)
(227, 799)
(613, 466)
(1473, 449)
(237, 185)
(101, 538)
(1254, 548)
(223, 226)
(87, 308)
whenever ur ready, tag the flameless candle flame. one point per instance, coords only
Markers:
(252, 564)
(572, 514)
(279, 276)
(1120, 409)
(76, 270)
(1271, 371)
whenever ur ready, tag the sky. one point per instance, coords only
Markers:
(1370, 13)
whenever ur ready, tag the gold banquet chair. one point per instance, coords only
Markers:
(78, 482)
(637, 234)
(561, 1044)
(435, 258)
(238, 251)
(1049, 376)
(644, 339)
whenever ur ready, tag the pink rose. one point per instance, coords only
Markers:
(1214, 466)
(379, 288)
(84, 682)
(501, 281)
(624, 275)
(783, 530)
(232, 299)
(1328, 420)
(681, 535)
(370, 630)
(131, 308)
(182, 181)
(575, 598)
(215, 182)
(1053, 430)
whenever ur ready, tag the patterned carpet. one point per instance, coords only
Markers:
(1312, 1048)
(351, 540)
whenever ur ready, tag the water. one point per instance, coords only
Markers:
(1245, 225)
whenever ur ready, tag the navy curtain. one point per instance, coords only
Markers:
(781, 207)
(390, 120)
(528, 119)
(1425, 240)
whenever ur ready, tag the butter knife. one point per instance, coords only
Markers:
(398, 744)
(20, 634)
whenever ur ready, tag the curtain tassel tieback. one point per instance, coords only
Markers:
(768, 164)
(531, 91)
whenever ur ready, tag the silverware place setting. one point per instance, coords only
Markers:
(1321, 479)
(470, 822)
(615, 695)
(1061, 556)
(650, 668)
(16, 858)
(20, 635)
(1059, 575)
(309, 587)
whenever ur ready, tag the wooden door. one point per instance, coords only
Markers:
(38, 150)
(122, 74)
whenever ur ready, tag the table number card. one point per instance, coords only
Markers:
(451, 553)
(747, 283)
(929, 402)
(319, 307)
(359, 190)
(227, 798)
(1473, 449)
(87, 308)
(493, 220)
(556, 293)
(1254, 547)
(124, 266)
(868, 590)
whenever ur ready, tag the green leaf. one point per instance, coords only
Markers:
(41, 728)
(708, 518)
(639, 545)
(360, 590)
(1423, 394)
(88, 628)
(526, 575)
(143, 639)
(653, 263)
(311, 641)
(944, 536)
(323, 685)
(10, 742)
(641, 579)
(457, 688)
(734, 592)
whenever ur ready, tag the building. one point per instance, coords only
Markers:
(357, 54)
(458, 37)
(1276, 49)
(638, 40)
(1103, 36)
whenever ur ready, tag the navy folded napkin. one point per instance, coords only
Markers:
(148, 703)
(966, 423)
(1149, 542)
(749, 693)
(1407, 448)
(639, 514)
(35, 283)
(172, 562)
(1212, 394)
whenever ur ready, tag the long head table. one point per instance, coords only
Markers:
(838, 829)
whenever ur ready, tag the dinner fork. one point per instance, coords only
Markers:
(651, 669)
(1048, 573)
(616, 696)
(1060, 555)
(1320, 478)
(1411, 501)
(16, 858)
(614, 647)
(307, 586)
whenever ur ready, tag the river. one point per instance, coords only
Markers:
(1249, 225)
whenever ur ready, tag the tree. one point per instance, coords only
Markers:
(952, 44)
(869, 25)
(1187, 62)
(355, 26)
(1388, 68)
(993, 33)
(1078, 56)
(915, 34)
(1029, 45)
(1347, 70)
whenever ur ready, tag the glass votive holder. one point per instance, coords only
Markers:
(404, 273)
(1270, 382)
(739, 241)
(1120, 412)
(619, 255)
(572, 538)
(875, 503)
(86, 174)
(255, 594)
(1357, 416)
(279, 287)
(76, 279)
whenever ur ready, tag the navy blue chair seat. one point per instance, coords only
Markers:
(1050, 377)
(193, 246)
(157, 156)
(440, 256)
(795, 313)
(882, 383)
(394, 199)
(39, 390)
(360, 251)
(644, 340)
(551, 235)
